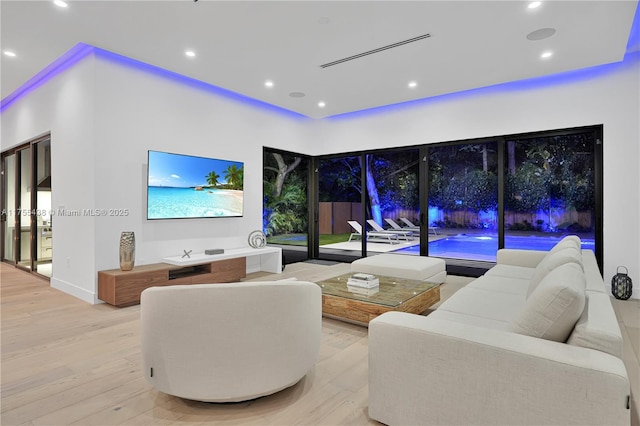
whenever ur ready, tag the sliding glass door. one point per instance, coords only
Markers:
(550, 190)
(9, 209)
(285, 214)
(23, 223)
(340, 226)
(463, 201)
(393, 201)
(460, 200)
(27, 227)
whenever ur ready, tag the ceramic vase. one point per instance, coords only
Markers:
(127, 250)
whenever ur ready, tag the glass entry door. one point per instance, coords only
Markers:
(26, 207)
(9, 208)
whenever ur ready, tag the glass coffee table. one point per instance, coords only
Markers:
(361, 305)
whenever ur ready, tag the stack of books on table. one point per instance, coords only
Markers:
(363, 281)
(362, 291)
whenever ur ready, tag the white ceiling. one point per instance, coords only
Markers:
(241, 44)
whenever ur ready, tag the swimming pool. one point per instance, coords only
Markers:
(484, 247)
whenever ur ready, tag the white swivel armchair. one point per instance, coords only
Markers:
(230, 342)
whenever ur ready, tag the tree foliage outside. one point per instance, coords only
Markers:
(391, 182)
(397, 181)
(463, 178)
(548, 175)
(552, 175)
(285, 194)
(340, 180)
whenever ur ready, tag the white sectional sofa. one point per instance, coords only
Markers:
(533, 341)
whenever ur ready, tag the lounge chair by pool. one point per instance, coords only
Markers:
(388, 236)
(404, 234)
(410, 224)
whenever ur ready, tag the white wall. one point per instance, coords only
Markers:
(104, 116)
(137, 111)
(64, 106)
(608, 95)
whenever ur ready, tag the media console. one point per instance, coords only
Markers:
(123, 288)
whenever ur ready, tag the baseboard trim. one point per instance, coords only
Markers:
(80, 293)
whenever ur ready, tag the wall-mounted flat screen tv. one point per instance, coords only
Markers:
(183, 186)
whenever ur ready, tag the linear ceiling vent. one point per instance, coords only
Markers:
(371, 52)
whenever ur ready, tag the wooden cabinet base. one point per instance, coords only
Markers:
(123, 288)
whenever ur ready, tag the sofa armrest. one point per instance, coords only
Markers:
(517, 257)
(431, 371)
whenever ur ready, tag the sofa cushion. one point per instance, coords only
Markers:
(598, 327)
(494, 305)
(502, 284)
(552, 260)
(472, 320)
(552, 310)
(511, 271)
(568, 241)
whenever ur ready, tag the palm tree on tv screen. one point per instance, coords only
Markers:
(234, 176)
(212, 178)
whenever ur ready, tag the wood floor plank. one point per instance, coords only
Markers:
(64, 361)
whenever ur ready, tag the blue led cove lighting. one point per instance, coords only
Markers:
(82, 50)
(64, 62)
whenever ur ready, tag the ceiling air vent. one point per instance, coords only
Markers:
(379, 49)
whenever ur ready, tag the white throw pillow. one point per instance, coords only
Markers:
(551, 261)
(554, 307)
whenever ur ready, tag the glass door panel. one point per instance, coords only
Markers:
(550, 190)
(44, 225)
(285, 208)
(24, 209)
(9, 208)
(393, 202)
(463, 201)
(340, 208)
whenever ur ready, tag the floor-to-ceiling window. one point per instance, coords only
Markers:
(393, 201)
(24, 216)
(26, 206)
(550, 189)
(285, 214)
(340, 227)
(9, 207)
(463, 201)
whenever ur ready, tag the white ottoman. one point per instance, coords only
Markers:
(403, 266)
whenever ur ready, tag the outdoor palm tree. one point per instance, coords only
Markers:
(212, 178)
(234, 176)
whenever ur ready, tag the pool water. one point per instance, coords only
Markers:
(483, 247)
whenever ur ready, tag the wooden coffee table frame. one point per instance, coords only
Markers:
(362, 311)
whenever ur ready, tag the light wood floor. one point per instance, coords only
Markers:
(67, 362)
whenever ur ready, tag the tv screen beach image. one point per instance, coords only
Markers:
(183, 186)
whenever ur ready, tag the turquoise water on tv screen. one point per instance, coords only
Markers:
(176, 203)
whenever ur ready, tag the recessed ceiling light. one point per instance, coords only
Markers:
(534, 4)
(190, 53)
(321, 104)
(412, 85)
(60, 3)
(268, 83)
(9, 53)
(546, 55)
